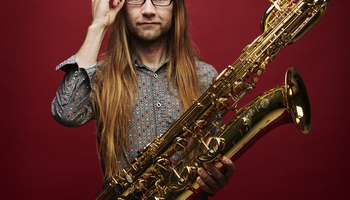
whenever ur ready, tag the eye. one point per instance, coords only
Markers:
(161, 2)
(135, 1)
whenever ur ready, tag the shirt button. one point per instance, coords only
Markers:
(158, 105)
(76, 73)
(155, 75)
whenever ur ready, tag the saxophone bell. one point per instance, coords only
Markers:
(285, 103)
(298, 100)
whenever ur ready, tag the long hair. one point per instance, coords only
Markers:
(116, 84)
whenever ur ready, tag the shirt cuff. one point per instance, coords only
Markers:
(63, 65)
(73, 60)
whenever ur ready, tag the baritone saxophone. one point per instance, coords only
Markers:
(153, 176)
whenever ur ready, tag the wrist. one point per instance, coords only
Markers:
(97, 30)
(88, 52)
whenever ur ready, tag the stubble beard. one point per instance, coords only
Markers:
(150, 35)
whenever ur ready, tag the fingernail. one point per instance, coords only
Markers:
(199, 180)
(225, 161)
(200, 170)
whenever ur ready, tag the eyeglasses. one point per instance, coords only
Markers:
(154, 2)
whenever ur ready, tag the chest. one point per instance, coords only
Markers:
(156, 109)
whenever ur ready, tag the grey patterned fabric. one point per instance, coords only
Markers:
(156, 109)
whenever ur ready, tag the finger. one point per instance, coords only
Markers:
(216, 174)
(118, 3)
(230, 167)
(209, 180)
(205, 187)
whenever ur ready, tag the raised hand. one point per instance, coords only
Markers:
(104, 11)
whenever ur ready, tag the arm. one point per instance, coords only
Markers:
(102, 17)
(71, 106)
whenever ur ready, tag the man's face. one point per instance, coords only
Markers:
(148, 22)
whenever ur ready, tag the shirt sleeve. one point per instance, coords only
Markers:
(71, 106)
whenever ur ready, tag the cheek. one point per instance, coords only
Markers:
(130, 14)
(167, 16)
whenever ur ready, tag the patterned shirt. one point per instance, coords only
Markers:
(155, 111)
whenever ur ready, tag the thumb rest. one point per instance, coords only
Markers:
(153, 176)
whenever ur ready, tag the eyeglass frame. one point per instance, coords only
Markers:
(145, 1)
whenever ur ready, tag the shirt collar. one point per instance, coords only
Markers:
(141, 65)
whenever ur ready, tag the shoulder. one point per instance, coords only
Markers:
(206, 70)
(206, 74)
(100, 66)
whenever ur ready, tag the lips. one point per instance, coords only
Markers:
(148, 23)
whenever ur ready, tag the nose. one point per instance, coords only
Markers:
(148, 8)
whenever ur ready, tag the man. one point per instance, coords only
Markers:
(147, 79)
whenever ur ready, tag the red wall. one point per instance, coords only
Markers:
(41, 159)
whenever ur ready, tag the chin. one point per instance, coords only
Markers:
(150, 37)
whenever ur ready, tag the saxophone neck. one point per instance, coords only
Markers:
(312, 12)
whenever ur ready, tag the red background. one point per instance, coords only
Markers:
(41, 159)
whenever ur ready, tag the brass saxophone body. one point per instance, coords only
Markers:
(153, 176)
(285, 103)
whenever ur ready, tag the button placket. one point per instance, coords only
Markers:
(158, 104)
(74, 81)
(69, 80)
